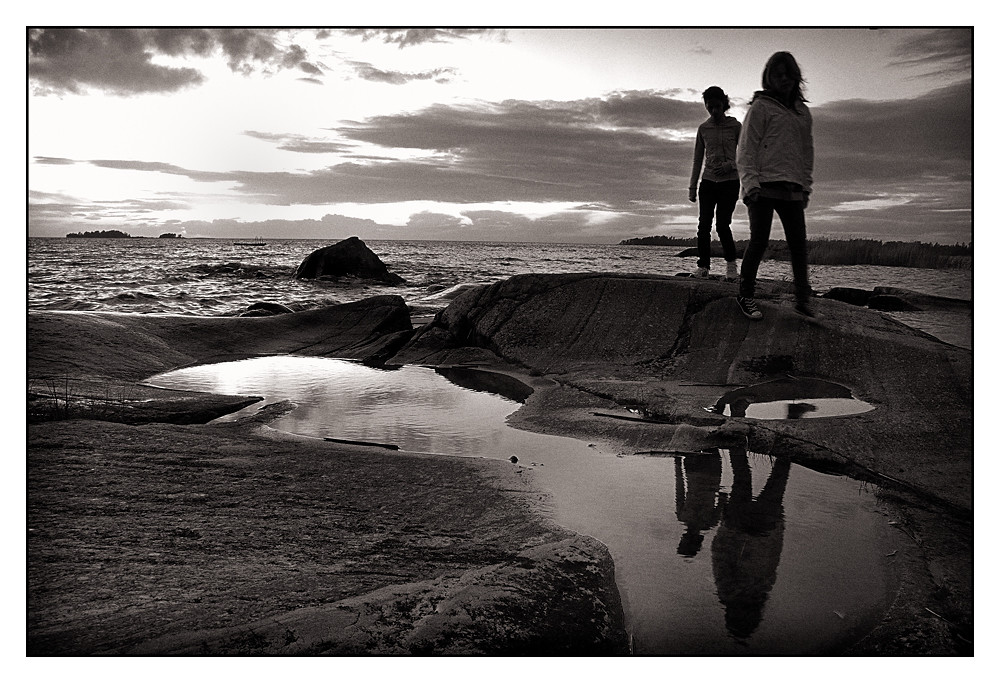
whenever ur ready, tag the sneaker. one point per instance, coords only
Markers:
(807, 311)
(749, 308)
(701, 272)
(731, 272)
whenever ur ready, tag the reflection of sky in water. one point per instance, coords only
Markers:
(726, 553)
(800, 409)
(412, 407)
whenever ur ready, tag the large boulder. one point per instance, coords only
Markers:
(350, 257)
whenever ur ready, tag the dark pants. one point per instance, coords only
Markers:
(720, 199)
(793, 220)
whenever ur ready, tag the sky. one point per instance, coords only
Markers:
(579, 134)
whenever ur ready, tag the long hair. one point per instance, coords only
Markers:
(791, 68)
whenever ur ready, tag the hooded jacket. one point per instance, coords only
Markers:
(776, 145)
(716, 145)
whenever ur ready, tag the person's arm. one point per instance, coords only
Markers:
(739, 129)
(747, 149)
(807, 156)
(699, 157)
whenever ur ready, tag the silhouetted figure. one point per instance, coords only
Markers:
(775, 162)
(697, 480)
(715, 144)
(747, 547)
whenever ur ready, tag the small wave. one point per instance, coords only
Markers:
(65, 304)
(132, 296)
(450, 293)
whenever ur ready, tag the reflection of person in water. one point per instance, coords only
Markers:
(798, 410)
(747, 547)
(697, 480)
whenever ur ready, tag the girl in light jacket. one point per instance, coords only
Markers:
(775, 163)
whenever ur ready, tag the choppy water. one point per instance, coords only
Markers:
(217, 277)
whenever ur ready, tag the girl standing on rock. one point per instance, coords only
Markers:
(775, 162)
(716, 143)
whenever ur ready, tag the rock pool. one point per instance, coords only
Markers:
(725, 552)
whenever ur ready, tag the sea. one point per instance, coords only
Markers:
(220, 277)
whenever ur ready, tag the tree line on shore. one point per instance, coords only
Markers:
(849, 252)
(118, 234)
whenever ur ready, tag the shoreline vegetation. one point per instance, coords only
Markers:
(852, 252)
(118, 234)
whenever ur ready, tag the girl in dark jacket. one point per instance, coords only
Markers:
(715, 144)
(775, 162)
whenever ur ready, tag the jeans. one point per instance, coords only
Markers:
(720, 199)
(793, 220)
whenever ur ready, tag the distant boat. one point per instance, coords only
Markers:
(255, 242)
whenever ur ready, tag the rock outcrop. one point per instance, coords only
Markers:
(896, 299)
(241, 540)
(670, 347)
(262, 308)
(347, 258)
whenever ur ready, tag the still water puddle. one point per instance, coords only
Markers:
(790, 399)
(728, 552)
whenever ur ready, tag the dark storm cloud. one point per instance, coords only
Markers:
(120, 60)
(370, 73)
(418, 36)
(650, 109)
(551, 151)
(901, 140)
(938, 52)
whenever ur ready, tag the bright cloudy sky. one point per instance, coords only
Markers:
(543, 134)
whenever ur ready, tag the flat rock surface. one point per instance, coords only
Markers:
(168, 538)
(165, 539)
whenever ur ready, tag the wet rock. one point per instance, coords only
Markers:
(265, 308)
(890, 302)
(347, 258)
(919, 300)
(895, 299)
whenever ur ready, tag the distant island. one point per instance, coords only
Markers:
(826, 252)
(100, 233)
(171, 236)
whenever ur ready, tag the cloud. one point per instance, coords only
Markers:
(902, 139)
(939, 52)
(370, 73)
(120, 60)
(300, 143)
(418, 36)
(651, 109)
(542, 151)
(610, 155)
(54, 161)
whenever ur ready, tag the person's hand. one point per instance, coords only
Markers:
(805, 200)
(693, 195)
(751, 196)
